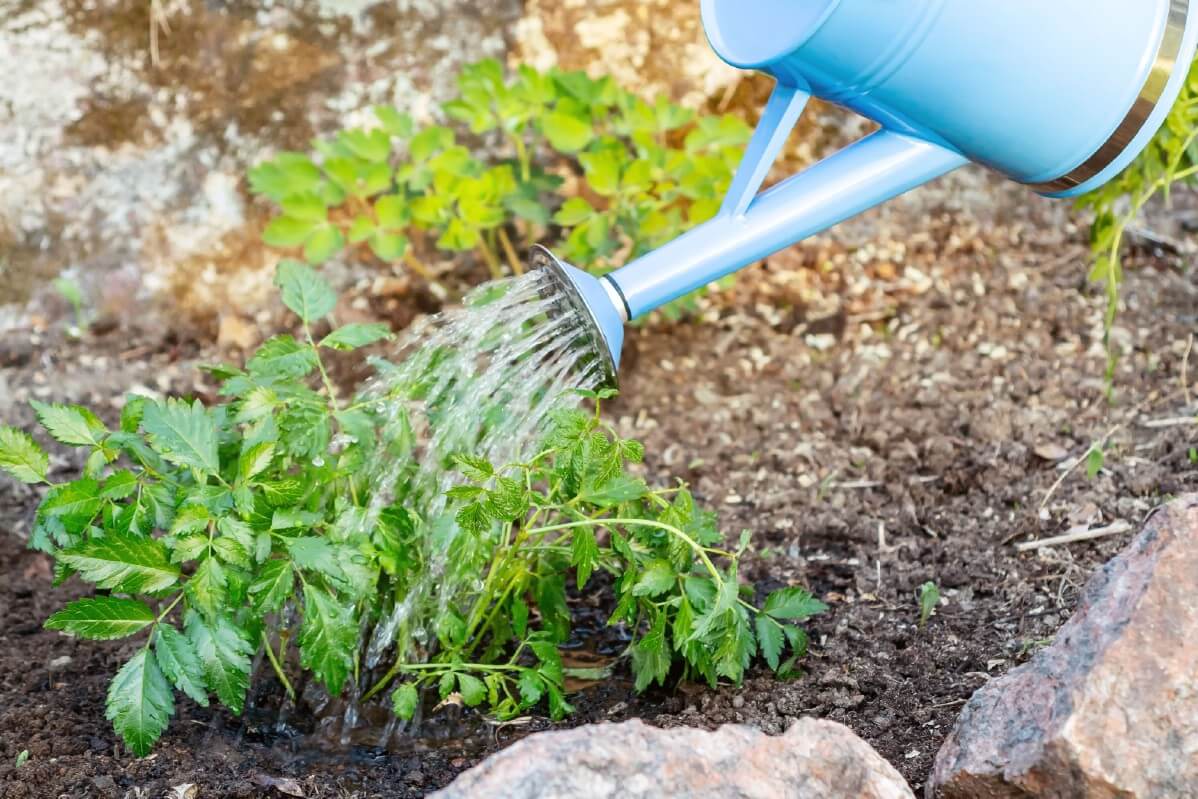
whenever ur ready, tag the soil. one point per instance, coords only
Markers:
(878, 416)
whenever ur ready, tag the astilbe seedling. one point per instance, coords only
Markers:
(640, 173)
(575, 508)
(213, 534)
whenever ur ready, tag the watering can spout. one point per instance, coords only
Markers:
(1059, 96)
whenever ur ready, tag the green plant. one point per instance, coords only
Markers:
(22, 757)
(216, 534)
(1170, 158)
(573, 507)
(1193, 454)
(929, 598)
(1095, 460)
(69, 290)
(641, 174)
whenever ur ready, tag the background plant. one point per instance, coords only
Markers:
(601, 172)
(1171, 158)
(213, 534)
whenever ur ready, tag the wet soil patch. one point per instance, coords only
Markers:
(877, 420)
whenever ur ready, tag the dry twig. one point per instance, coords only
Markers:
(1114, 528)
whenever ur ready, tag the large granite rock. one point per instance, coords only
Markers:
(815, 760)
(1111, 708)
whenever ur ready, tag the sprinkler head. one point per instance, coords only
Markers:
(595, 301)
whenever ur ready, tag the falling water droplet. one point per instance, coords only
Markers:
(490, 374)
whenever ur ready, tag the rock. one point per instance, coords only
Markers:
(1111, 708)
(814, 759)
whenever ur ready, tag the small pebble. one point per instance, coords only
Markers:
(738, 702)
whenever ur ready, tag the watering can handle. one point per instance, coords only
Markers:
(751, 226)
(779, 117)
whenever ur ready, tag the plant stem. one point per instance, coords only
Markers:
(513, 260)
(699, 550)
(522, 157)
(169, 608)
(492, 262)
(324, 375)
(274, 663)
(417, 266)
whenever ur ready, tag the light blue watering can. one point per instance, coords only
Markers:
(1060, 95)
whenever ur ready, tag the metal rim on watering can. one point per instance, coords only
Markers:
(567, 290)
(1150, 95)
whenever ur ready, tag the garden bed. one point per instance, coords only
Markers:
(870, 445)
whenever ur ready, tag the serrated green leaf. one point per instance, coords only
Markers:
(70, 424)
(573, 212)
(394, 122)
(792, 603)
(74, 504)
(328, 639)
(354, 335)
(21, 457)
(255, 460)
(307, 207)
(183, 434)
(179, 662)
(724, 603)
(274, 585)
(530, 686)
(231, 552)
(282, 357)
(190, 519)
(315, 554)
(650, 656)
(472, 689)
(769, 640)
(140, 703)
(929, 598)
(657, 578)
(473, 517)
(119, 485)
(584, 555)
(445, 684)
(404, 700)
(307, 294)
(206, 589)
(567, 133)
(224, 654)
(131, 413)
(102, 618)
(123, 563)
(285, 231)
(325, 242)
(294, 518)
(473, 466)
(388, 246)
(619, 488)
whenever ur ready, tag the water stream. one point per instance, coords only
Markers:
(483, 378)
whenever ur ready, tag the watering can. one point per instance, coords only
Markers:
(1059, 95)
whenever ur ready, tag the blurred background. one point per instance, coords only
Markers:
(127, 129)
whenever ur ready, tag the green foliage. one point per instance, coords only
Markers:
(575, 506)
(648, 172)
(199, 526)
(929, 598)
(1170, 158)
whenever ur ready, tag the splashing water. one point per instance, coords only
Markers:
(484, 379)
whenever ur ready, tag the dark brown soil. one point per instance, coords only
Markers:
(878, 417)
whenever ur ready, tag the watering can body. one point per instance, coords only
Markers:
(1060, 95)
